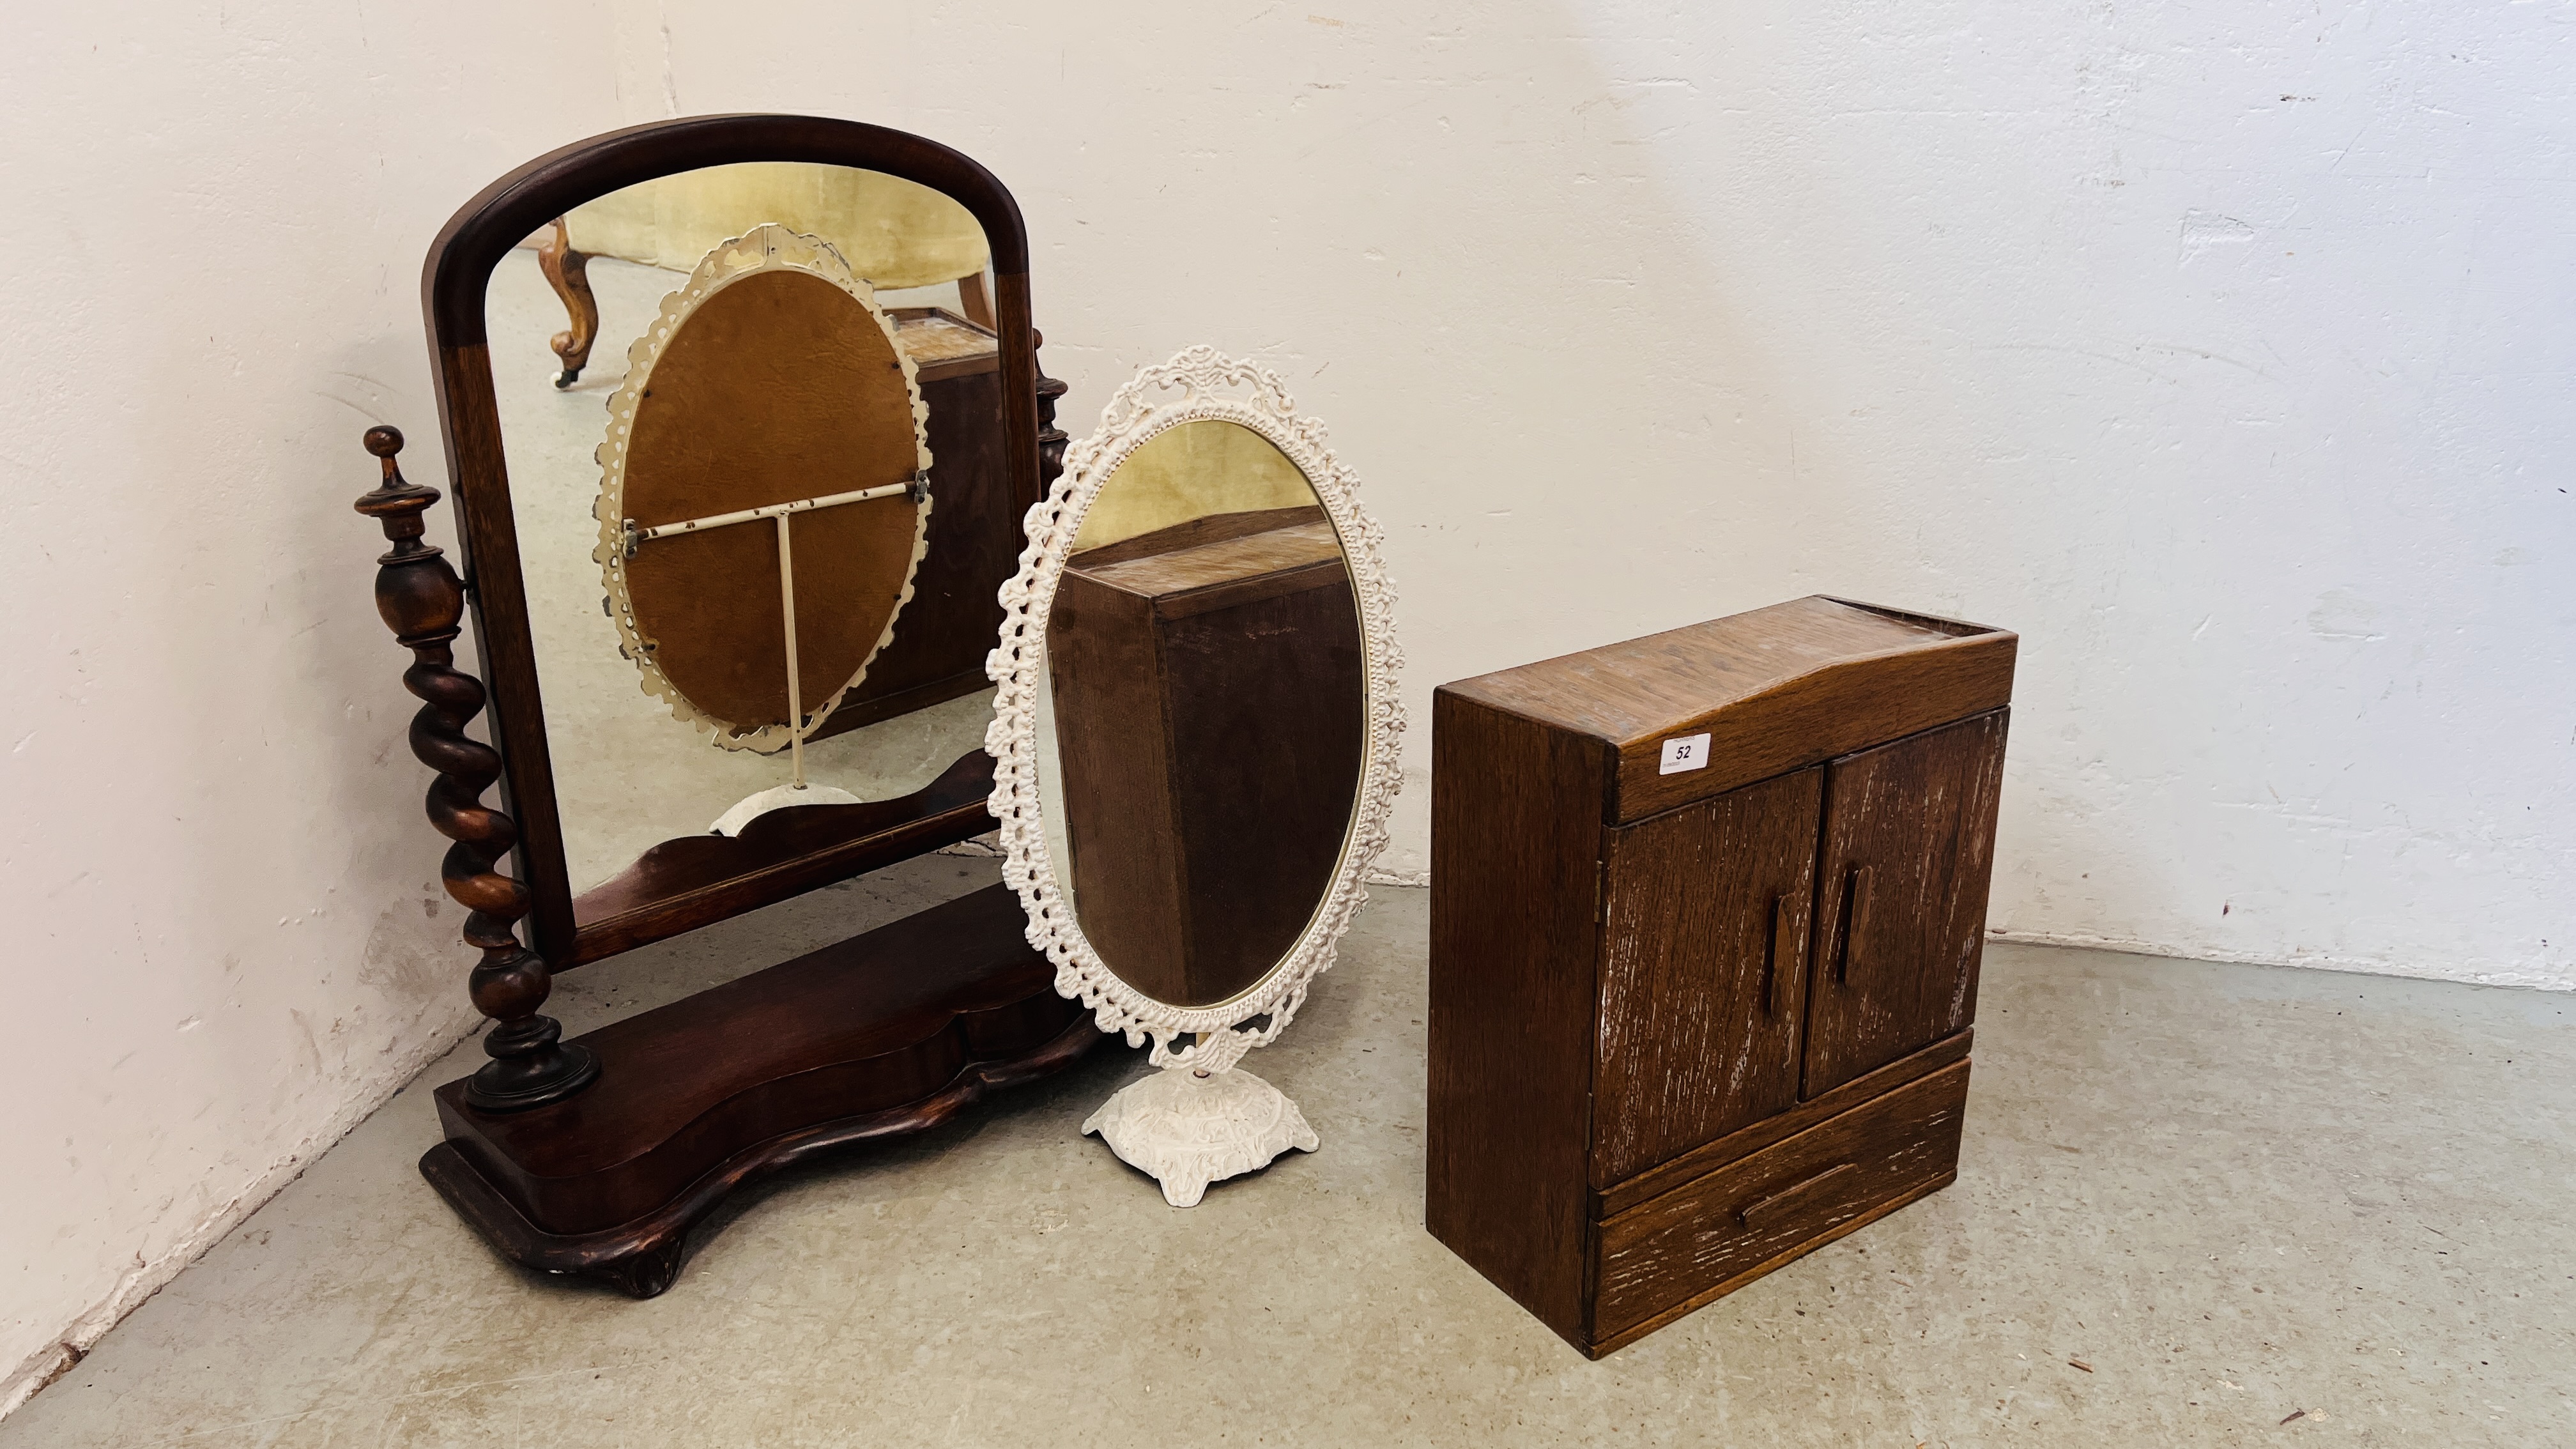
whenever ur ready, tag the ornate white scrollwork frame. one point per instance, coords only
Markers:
(768, 247)
(1197, 385)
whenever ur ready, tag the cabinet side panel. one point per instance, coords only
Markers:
(956, 609)
(1901, 896)
(1114, 744)
(1703, 971)
(1268, 707)
(1515, 840)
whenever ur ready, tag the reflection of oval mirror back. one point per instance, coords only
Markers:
(1195, 746)
(769, 414)
(1210, 696)
(792, 495)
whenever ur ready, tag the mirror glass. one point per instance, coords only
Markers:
(753, 429)
(1201, 736)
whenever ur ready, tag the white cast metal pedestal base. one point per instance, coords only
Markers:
(1190, 1128)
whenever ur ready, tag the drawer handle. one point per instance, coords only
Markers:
(1763, 1207)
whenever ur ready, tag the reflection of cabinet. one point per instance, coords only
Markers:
(1210, 696)
(1706, 915)
(943, 635)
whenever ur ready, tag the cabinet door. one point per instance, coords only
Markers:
(1901, 909)
(1703, 971)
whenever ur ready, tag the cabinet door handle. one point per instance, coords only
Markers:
(1762, 1207)
(1855, 919)
(1771, 955)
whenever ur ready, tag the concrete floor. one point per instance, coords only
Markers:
(2237, 1193)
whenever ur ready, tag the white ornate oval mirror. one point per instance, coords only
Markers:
(1195, 739)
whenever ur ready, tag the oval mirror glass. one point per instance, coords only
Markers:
(1204, 718)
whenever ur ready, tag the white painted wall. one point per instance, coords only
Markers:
(2221, 350)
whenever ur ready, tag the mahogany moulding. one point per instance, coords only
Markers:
(888, 1033)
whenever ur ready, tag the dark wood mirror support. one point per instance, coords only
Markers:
(595, 1155)
(423, 602)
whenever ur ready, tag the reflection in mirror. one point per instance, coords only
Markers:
(764, 487)
(1201, 736)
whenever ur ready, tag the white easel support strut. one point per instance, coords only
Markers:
(795, 688)
(917, 488)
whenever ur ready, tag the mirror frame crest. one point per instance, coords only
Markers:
(1209, 387)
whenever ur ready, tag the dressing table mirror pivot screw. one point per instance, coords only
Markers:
(422, 601)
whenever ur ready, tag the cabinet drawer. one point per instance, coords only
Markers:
(1714, 1233)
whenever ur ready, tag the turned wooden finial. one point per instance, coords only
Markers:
(1051, 439)
(397, 503)
(423, 602)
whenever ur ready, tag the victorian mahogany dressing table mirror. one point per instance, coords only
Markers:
(733, 609)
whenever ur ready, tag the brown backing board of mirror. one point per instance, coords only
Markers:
(733, 607)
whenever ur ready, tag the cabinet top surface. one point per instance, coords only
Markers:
(1223, 562)
(1632, 692)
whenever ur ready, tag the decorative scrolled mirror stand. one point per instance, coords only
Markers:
(1196, 737)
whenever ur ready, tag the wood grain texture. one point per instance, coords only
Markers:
(1703, 971)
(801, 846)
(1211, 709)
(1744, 1141)
(641, 1257)
(1625, 1011)
(943, 345)
(1766, 1207)
(454, 281)
(867, 1025)
(1901, 917)
(1213, 528)
(422, 600)
(1613, 1342)
(1515, 861)
(1776, 689)
(1184, 581)
(956, 610)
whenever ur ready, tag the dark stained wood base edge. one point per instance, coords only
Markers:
(642, 1257)
(1768, 1266)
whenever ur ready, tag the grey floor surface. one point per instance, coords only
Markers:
(2239, 1194)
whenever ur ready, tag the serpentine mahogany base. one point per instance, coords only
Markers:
(888, 1033)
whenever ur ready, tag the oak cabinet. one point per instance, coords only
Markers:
(1706, 917)
(1909, 831)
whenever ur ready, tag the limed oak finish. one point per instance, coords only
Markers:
(1706, 915)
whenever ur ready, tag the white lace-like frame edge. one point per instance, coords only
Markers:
(1212, 387)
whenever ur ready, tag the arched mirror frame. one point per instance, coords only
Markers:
(1198, 385)
(453, 285)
